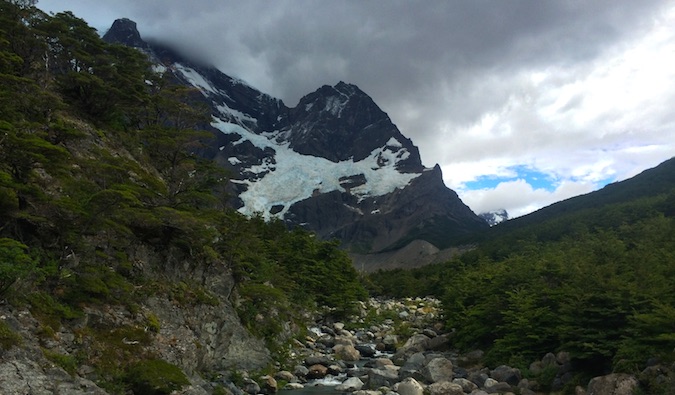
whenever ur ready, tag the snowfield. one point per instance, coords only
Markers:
(295, 177)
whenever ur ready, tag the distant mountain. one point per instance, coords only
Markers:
(494, 217)
(334, 164)
(591, 208)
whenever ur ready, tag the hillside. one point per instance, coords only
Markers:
(121, 263)
(593, 276)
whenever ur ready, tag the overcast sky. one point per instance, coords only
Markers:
(522, 103)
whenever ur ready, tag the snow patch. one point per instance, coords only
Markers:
(295, 177)
(195, 79)
(240, 116)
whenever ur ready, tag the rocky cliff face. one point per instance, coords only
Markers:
(334, 164)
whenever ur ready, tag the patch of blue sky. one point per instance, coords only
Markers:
(536, 179)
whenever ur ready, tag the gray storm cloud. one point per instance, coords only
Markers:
(468, 81)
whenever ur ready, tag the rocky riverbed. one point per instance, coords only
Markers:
(400, 347)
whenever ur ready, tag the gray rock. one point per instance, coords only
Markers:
(549, 360)
(350, 385)
(346, 352)
(250, 386)
(365, 350)
(268, 385)
(317, 371)
(300, 371)
(613, 384)
(284, 375)
(438, 369)
(409, 386)
(506, 374)
(498, 387)
(445, 388)
(382, 378)
(293, 386)
(467, 386)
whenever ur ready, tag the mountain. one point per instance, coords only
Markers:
(494, 217)
(334, 164)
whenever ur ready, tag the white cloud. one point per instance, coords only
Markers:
(520, 198)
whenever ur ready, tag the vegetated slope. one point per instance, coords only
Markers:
(593, 276)
(117, 250)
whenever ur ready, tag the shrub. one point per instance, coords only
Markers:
(8, 338)
(155, 377)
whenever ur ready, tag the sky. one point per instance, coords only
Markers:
(521, 102)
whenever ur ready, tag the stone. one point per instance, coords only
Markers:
(293, 386)
(350, 385)
(346, 352)
(301, 371)
(318, 360)
(438, 369)
(284, 375)
(390, 342)
(416, 342)
(250, 386)
(613, 384)
(445, 388)
(549, 360)
(365, 350)
(498, 387)
(409, 386)
(268, 385)
(438, 343)
(489, 382)
(381, 378)
(467, 386)
(317, 371)
(506, 374)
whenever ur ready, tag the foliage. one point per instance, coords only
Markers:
(155, 377)
(8, 338)
(597, 282)
(98, 161)
(66, 362)
(15, 263)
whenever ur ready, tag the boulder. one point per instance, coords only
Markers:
(498, 387)
(350, 385)
(317, 371)
(506, 374)
(293, 386)
(268, 385)
(365, 350)
(346, 352)
(467, 386)
(382, 378)
(445, 388)
(250, 386)
(613, 384)
(318, 360)
(409, 386)
(438, 369)
(300, 371)
(284, 375)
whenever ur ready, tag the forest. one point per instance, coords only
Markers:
(97, 164)
(597, 281)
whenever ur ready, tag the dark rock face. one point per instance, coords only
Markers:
(124, 31)
(341, 122)
(338, 123)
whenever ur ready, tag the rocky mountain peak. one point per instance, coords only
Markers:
(341, 123)
(124, 31)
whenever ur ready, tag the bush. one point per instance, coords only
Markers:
(8, 338)
(155, 377)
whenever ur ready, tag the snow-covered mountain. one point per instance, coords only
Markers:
(334, 164)
(494, 217)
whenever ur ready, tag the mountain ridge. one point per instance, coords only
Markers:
(334, 164)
